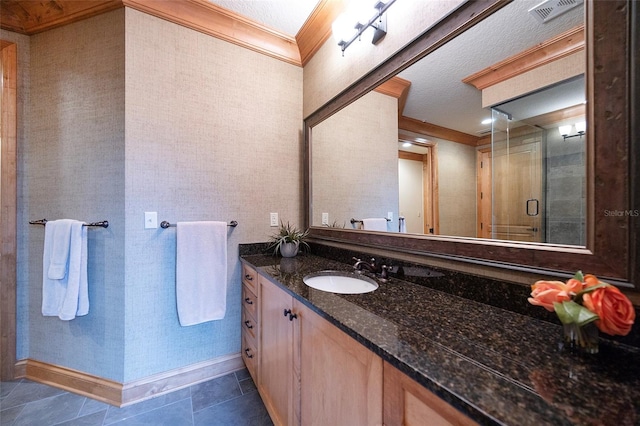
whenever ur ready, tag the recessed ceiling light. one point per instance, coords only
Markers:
(421, 140)
(406, 144)
(487, 121)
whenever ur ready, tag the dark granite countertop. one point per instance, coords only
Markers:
(496, 366)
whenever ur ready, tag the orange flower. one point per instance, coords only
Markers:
(590, 280)
(544, 293)
(573, 286)
(614, 309)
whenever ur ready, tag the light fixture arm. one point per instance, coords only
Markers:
(378, 22)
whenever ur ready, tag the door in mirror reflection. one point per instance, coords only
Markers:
(517, 202)
(537, 170)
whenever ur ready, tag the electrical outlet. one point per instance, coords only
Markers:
(273, 219)
(325, 218)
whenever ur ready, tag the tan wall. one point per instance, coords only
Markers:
(457, 189)
(214, 132)
(355, 162)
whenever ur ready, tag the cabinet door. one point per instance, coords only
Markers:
(408, 403)
(340, 380)
(276, 352)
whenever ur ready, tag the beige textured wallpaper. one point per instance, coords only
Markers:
(213, 132)
(457, 189)
(355, 162)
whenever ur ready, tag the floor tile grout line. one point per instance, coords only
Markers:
(141, 412)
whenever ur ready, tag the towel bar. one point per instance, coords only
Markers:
(354, 221)
(102, 223)
(164, 224)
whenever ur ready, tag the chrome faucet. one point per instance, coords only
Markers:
(361, 266)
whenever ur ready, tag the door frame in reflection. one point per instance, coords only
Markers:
(429, 213)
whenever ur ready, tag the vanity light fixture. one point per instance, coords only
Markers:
(350, 25)
(565, 131)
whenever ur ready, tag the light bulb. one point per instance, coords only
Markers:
(565, 130)
(343, 28)
(581, 127)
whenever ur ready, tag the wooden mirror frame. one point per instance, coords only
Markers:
(612, 171)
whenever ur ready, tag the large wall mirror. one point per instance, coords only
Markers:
(488, 139)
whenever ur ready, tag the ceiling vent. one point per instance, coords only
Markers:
(484, 132)
(549, 9)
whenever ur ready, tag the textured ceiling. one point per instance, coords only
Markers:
(437, 94)
(285, 16)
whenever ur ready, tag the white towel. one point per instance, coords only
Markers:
(68, 296)
(201, 271)
(60, 237)
(374, 224)
(402, 227)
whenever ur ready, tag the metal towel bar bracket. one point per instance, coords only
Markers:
(164, 224)
(353, 221)
(102, 223)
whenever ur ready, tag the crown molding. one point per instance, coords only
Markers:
(562, 45)
(207, 18)
(317, 28)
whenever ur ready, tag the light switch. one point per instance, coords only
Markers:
(325, 218)
(273, 219)
(150, 220)
(390, 215)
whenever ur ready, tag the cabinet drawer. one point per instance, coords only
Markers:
(250, 278)
(249, 324)
(249, 301)
(250, 356)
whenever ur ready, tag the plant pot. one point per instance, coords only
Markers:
(289, 249)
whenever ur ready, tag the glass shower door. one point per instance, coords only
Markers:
(516, 180)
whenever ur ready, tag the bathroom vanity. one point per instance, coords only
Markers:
(405, 353)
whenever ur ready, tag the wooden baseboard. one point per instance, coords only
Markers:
(180, 378)
(20, 369)
(119, 394)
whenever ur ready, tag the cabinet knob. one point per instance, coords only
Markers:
(248, 301)
(248, 324)
(248, 353)
(290, 314)
(248, 277)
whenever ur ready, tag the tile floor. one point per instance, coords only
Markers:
(228, 400)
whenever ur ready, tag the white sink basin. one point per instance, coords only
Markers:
(340, 282)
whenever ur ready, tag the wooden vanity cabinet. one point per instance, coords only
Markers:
(408, 403)
(276, 381)
(250, 324)
(309, 372)
(312, 373)
(341, 379)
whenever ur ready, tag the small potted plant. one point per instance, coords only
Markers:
(288, 240)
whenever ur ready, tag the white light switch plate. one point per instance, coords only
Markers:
(273, 219)
(325, 218)
(150, 220)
